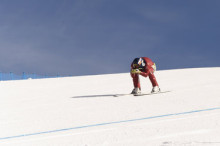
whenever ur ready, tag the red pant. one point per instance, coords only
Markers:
(136, 80)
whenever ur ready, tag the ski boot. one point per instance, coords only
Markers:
(155, 89)
(136, 91)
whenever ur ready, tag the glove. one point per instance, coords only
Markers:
(135, 71)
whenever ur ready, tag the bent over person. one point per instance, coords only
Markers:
(146, 67)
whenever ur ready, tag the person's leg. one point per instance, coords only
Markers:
(136, 81)
(153, 78)
(154, 83)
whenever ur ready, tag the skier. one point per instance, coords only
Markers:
(146, 67)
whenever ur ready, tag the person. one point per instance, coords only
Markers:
(145, 67)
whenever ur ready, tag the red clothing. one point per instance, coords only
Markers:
(146, 71)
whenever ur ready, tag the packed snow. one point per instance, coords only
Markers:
(83, 110)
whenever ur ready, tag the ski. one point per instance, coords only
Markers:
(142, 94)
(117, 95)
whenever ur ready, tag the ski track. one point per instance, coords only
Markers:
(109, 123)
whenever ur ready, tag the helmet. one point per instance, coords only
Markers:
(138, 63)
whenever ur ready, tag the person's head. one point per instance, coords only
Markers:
(138, 63)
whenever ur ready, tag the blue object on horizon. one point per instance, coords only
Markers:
(24, 76)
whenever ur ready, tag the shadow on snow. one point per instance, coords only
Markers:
(89, 96)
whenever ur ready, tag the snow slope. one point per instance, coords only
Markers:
(82, 111)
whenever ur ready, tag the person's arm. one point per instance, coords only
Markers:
(145, 74)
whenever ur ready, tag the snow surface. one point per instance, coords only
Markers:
(82, 111)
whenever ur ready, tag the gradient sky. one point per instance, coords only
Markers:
(88, 37)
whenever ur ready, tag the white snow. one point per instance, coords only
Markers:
(82, 111)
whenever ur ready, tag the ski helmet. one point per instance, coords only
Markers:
(138, 63)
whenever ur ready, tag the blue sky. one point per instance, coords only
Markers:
(88, 37)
